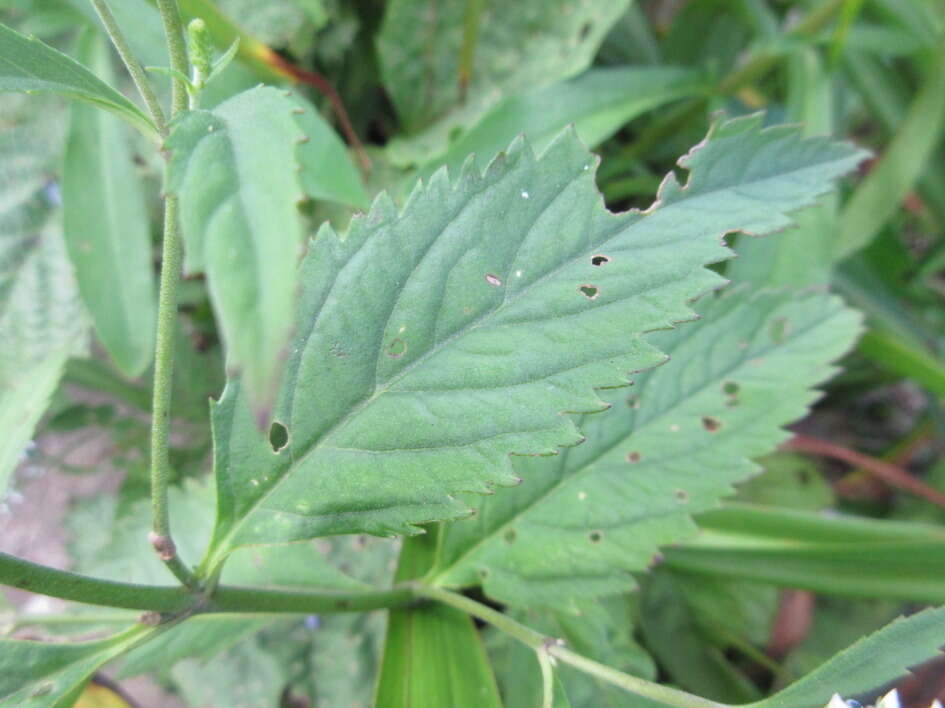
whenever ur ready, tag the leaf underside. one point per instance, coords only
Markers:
(672, 445)
(432, 343)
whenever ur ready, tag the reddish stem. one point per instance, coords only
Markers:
(889, 473)
(323, 85)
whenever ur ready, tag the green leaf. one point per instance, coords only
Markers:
(327, 171)
(891, 178)
(41, 325)
(789, 480)
(332, 660)
(105, 224)
(800, 256)
(869, 663)
(519, 46)
(433, 343)
(41, 318)
(598, 103)
(674, 631)
(603, 631)
(433, 655)
(30, 66)
(579, 524)
(232, 169)
(807, 550)
(52, 675)
(243, 676)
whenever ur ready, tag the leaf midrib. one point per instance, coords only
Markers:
(680, 201)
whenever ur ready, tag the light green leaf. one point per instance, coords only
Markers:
(52, 675)
(326, 170)
(815, 552)
(598, 103)
(519, 46)
(674, 631)
(579, 524)
(41, 319)
(800, 256)
(243, 676)
(233, 171)
(433, 654)
(331, 660)
(433, 343)
(788, 480)
(105, 224)
(915, 142)
(30, 66)
(869, 663)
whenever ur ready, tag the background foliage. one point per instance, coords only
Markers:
(838, 531)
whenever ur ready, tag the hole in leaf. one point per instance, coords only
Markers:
(493, 280)
(682, 495)
(278, 436)
(510, 536)
(397, 348)
(585, 31)
(589, 291)
(599, 260)
(633, 456)
(595, 537)
(633, 402)
(711, 424)
(779, 330)
(730, 388)
(483, 573)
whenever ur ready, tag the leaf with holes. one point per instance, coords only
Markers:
(434, 342)
(671, 446)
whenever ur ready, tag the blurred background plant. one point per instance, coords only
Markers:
(768, 591)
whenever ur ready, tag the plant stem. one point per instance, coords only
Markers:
(22, 574)
(18, 573)
(133, 65)
(541, 643)
(177, 51)
(161, 537)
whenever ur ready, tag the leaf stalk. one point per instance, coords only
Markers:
(556, 650)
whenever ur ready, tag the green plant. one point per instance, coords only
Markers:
(454, 372)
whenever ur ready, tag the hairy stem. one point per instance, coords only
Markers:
(177, 51)
(161, 472)
(18, 573)
(171, 256)
(555, 649)
(132, 65)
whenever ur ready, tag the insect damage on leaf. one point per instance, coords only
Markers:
(475, 319)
